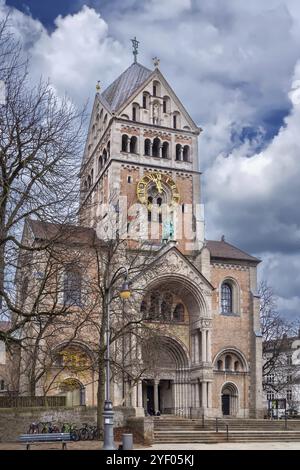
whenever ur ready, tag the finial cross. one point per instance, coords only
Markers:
(135, 45)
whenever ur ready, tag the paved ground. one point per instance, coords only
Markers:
(90, 445)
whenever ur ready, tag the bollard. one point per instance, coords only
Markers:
(127, 441)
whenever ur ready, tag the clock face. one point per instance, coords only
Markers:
(154, 185)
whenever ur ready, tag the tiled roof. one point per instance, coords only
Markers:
(222, 249)
(125, 85)
(61, 233)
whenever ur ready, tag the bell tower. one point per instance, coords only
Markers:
(141, 163)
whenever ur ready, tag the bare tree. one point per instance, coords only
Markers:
(41, 139)
(277, 332)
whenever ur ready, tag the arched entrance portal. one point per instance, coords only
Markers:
(229, 399)
(165, 389)
(74, 391)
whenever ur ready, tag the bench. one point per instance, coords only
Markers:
(62, 437)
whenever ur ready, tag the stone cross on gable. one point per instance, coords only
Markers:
(135, 45)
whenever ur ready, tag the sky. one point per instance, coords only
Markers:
(236, 68)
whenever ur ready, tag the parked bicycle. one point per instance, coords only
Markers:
(33, 428)
(72, 429)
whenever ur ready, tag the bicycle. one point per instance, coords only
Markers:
(72, 429)
(84, 432)
(33, 428)
(94, 433)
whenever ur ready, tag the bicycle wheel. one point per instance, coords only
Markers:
(74, 435)
(84, 434)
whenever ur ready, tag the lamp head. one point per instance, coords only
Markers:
(125, 292)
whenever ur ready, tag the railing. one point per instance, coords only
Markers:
(31, 402)
(219, 423)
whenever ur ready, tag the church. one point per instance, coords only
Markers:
(141, 168)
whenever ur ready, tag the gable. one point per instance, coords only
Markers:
(165, 112)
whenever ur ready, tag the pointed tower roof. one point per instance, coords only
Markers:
(125, 85)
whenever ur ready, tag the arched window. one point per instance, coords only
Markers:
(105, 120)
(135, 112)
(156, 88)
(124, 142)
(85, 186)
(228, 363)
(133, 145)
(166, 104)
(147, 148)
(100, 163)
(186, 153)
(104, 156)
(176, 120)
(236, 366)
(108, 149)
(146, 100)
(220, 364)
(178, 314)
(226, 298)
(72, 287)
(178, 152)
(165, 150)
(89, 181)
(92, 176)
(156, 147)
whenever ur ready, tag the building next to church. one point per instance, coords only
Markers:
(141, 162)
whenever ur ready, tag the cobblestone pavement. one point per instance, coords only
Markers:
(95, 445)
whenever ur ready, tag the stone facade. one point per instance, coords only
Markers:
(200, 295)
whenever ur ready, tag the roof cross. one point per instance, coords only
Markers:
(135, 45)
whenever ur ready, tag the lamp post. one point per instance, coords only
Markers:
(108, 413)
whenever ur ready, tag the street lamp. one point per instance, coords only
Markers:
(108, 414)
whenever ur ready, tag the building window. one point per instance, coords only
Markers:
(178, 152)
(165, 150)
(175, 122)
(2, 385)
(220, 364)
(147, 148)
(270, 378)
(289, 360)
(178, 314)
(228, 362)
(129, 179)
(226, 298)
(72, 287)
(154, 90)
(289, 395)
(156, 147)
(124, 142)
(186, 153)
(270, 396)
(133, 145)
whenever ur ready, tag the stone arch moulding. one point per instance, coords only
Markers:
(191, 294)
(74, 344)
(177, 348)
(236, 352)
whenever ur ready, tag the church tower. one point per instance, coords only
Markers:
(141, 162)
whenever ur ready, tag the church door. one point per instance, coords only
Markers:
(226, 404)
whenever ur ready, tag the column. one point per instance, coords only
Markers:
(197, 340)
(140, 394)
(128, 144)
(181, 153)
(197, 390)
(203, 337)
(193, 349)
(160, 151)
(156, 382)
(208, 346)
(204, 394)
(209, 394)
(151, 149)
(133, 395)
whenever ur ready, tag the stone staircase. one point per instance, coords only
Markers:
(172, 429)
